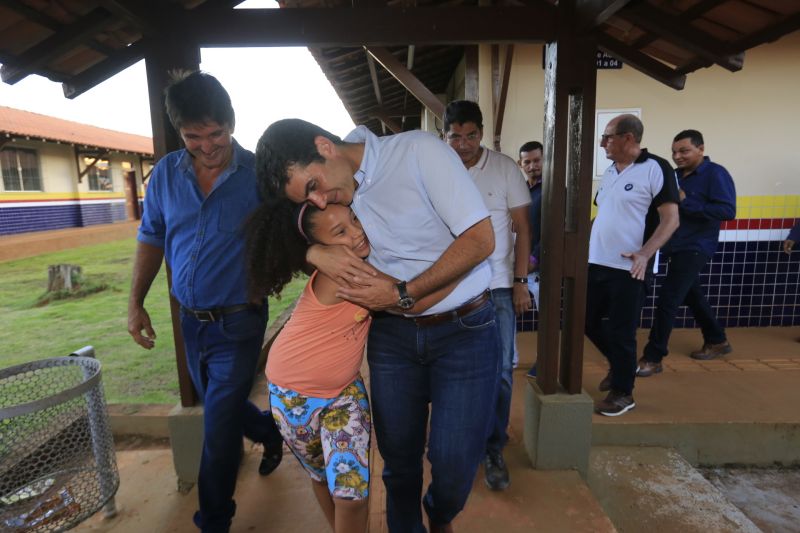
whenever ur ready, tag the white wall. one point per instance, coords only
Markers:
(750, 119)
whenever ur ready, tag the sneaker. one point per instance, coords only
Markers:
(496, 471)
(615, 404)
(605, 385)
(270, 459)
(711, 351)
(648, 368)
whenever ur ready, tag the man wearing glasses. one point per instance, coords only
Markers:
(637, 212)
(506, 196)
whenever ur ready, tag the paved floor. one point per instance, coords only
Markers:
(759, 381)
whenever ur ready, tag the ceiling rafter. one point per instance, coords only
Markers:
(407, 79)
(52, 47)
(642, 62)
(676, 31)
(342, 27)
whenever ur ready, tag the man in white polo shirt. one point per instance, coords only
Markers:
(637, 212)
(506, 195)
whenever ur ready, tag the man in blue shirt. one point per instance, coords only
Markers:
(197, 201)
(427, 225)
(708, 197)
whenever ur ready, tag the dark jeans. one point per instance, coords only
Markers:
(506, 321)
(222, 358)
(613, 305)
(682, 286)
(451, 367)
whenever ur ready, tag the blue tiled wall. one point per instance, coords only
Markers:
(50, 217)
(748, 284)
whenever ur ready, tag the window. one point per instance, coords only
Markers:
(20, 168)
(99, 175)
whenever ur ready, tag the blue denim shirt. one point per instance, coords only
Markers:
(202, 237)
(710, 199)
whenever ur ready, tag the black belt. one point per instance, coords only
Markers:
(213, 315)
(447, 316)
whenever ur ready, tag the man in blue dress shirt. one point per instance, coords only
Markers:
(708, 197)
(197, 201)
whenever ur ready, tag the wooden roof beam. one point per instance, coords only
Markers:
(407, 80)
(382, 115)
(379, 26)
(642, 62)
(683, 34)
(769, 34)
(593, 13)
(56, 45)
(96, 74)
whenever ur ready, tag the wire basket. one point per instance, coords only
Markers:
(57, 463)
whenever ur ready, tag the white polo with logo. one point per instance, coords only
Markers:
(627, 205)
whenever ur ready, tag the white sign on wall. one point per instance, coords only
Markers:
(604, 116)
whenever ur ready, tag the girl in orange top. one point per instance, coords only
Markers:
(317, 394)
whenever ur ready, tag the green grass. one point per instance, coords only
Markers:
(131, 374)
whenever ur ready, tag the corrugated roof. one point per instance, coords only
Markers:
(17, 122)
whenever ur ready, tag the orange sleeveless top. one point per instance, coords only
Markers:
(319, 350)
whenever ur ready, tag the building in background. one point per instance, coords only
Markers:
(62, 174)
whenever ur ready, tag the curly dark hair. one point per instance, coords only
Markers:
(276, 251)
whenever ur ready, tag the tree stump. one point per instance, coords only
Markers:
(63, 277)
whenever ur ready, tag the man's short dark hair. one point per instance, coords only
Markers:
(530, 146)
(631, 124)
(461, 112)
(197, 98)
(285, 143)
(694, 136)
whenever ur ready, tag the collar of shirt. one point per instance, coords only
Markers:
(371, 152)
(184, 163)
(702, 167)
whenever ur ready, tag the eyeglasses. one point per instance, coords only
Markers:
(454, 138)
(605, 137)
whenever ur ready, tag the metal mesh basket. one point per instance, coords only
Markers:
(57, 464)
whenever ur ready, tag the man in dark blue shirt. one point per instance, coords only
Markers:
(197, 200)
(708, 197)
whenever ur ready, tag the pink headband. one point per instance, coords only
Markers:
(300, 222)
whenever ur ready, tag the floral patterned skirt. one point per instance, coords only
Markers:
(329, 436)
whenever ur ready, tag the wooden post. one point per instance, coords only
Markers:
(160, 59)
(570, 80)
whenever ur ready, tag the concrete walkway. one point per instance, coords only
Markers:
(752, 395)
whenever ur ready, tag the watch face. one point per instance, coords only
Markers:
(406, 303)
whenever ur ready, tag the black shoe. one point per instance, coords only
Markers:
(270, 459)
(496, 471)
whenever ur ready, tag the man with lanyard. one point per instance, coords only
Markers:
(197, 201)
(427, 226)
(637, 212)
(708, 197)
(507, 198)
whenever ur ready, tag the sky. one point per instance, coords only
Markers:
(265, 84)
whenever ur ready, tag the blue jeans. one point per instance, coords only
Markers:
(222, 358)
(453, 367)
(507, 330)
(613, 305)
(682, 286)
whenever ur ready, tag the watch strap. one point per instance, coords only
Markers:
(520, 280)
